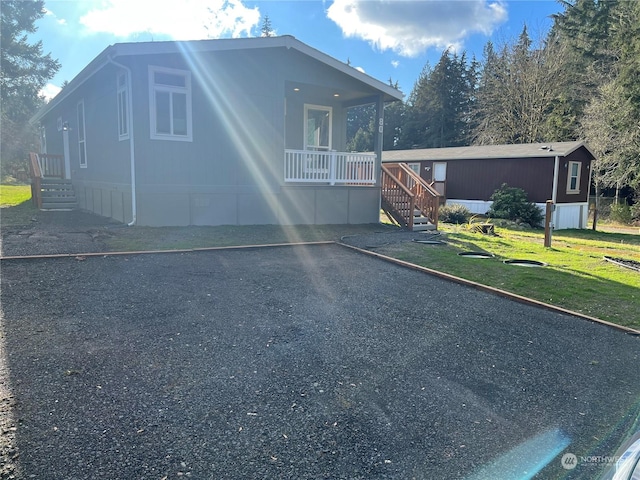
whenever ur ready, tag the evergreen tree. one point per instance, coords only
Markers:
(360, 120)
(24, 71)
(439, 110)
(394, 120)
(266, 30)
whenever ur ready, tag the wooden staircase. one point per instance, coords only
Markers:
(49, 189)
(57, 194)
(408, 199)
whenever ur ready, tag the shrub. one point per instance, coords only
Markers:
(454, 213)
(621, 212)
(511, 203)
(635, 211)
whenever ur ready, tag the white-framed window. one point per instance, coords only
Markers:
(82, 143)
(123, 111)
(317, 127)
(415, 167)
(170, 104)
(573, 177)
(43, 139)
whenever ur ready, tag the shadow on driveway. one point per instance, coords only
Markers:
(294, 362)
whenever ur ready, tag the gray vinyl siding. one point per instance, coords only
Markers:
(232, 171)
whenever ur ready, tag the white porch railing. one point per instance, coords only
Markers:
(308, 166)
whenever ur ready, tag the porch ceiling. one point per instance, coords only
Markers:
(348, 97)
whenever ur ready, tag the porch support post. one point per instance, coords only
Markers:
(377, 139)
(67, 156)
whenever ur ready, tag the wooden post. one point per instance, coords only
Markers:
(547, 223)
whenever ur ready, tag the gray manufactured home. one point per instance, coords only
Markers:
(215, 132)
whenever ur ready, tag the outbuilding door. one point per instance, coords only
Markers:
(439, 177)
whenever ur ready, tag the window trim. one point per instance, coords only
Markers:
(576, 190)
(413, 165)
(123, 110)
(82, 139)
(43, 139)
(325, 108)
(154, 88)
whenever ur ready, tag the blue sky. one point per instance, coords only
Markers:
(386, 38)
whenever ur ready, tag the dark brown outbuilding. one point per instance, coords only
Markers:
(469, 175)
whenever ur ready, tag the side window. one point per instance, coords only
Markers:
(415, 167)
(573, 177)
(82, 144)
(317, 127)
(43, 139)
(123, 111)
(170, 104)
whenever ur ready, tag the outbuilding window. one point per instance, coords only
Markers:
(573, 177)
(170, 104)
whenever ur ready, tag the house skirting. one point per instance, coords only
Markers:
(105, 199)
(288, 205)
(566, 215)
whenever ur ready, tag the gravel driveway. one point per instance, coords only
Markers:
(292, 363)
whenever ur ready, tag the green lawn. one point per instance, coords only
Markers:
(577, 277)
(15, 205)
(12, 195)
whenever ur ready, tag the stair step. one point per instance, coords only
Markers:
(423, 226)
(57, 194)
(59, 206)
(59, 199)
(56, 186)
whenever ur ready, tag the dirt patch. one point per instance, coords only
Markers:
(50, 233)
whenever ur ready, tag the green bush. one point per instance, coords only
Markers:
(511, 203)
(455, 213)
(621, 212)
(635, 211)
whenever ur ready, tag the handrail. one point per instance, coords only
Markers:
(395, 179)
(36, 177)
(397, 198)
(418, 179)
(51, 165)
(423, 196)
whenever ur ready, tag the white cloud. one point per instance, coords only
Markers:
(411, 27)
(395, 63)
(49, 13)
(49, 91)
(183, 20)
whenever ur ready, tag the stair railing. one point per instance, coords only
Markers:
(36, 178)
(398, 201)
(43, 165)
(424, 197)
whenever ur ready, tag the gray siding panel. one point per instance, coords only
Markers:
(332, 206)
(232, 170)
